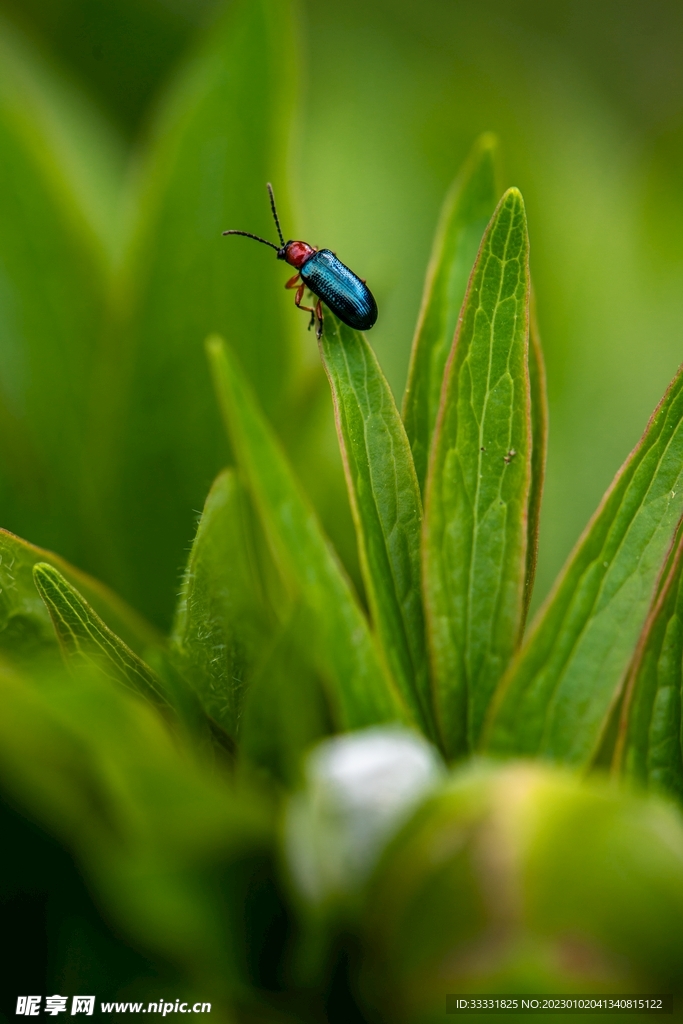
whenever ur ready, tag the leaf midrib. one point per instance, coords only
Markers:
(480, 424)
(110, 651)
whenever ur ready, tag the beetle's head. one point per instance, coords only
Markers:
(296, 253)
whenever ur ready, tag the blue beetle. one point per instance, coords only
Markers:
(321, 272)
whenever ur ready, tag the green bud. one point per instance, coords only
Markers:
(524, 879)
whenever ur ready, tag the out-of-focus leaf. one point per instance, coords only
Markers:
(466, 211)
(521, 879)
(557, 696)
(224, 619)
(539, 446)
(87, 641)
(385, 498)
(285, 709)
(25, 625)
(155, 834)
(59, 169)
(82, 155)
(478, 486)
(342, 648)
(221, 134)
(649, 743)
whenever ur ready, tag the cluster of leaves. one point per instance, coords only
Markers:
(162, 763)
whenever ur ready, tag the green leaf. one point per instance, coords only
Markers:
(25, 625)
(310, 440)
(87, 641)
(557, 697)
(387, 508)
(649, 743)
(539, 447)
(466, 211)
(285, 710)
(59, 169)
(478, 486)
(157, 836)
(222, 132)
(343, 649)
(224, 618)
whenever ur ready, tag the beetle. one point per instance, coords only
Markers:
(322, 273)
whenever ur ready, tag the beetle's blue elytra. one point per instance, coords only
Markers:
(348, 297)
(328, 278)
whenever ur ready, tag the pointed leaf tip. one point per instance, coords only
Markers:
(467, 209)
(86, 640)
(224, 620)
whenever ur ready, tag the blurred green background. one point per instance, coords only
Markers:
(587, 99)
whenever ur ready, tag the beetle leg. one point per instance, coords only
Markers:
(319, 314)
(299, 296)
(297, 302)
(293, 281)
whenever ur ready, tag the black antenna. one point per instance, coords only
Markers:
(272, 206)
(248, 234)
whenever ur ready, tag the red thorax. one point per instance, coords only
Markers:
(296, 253)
